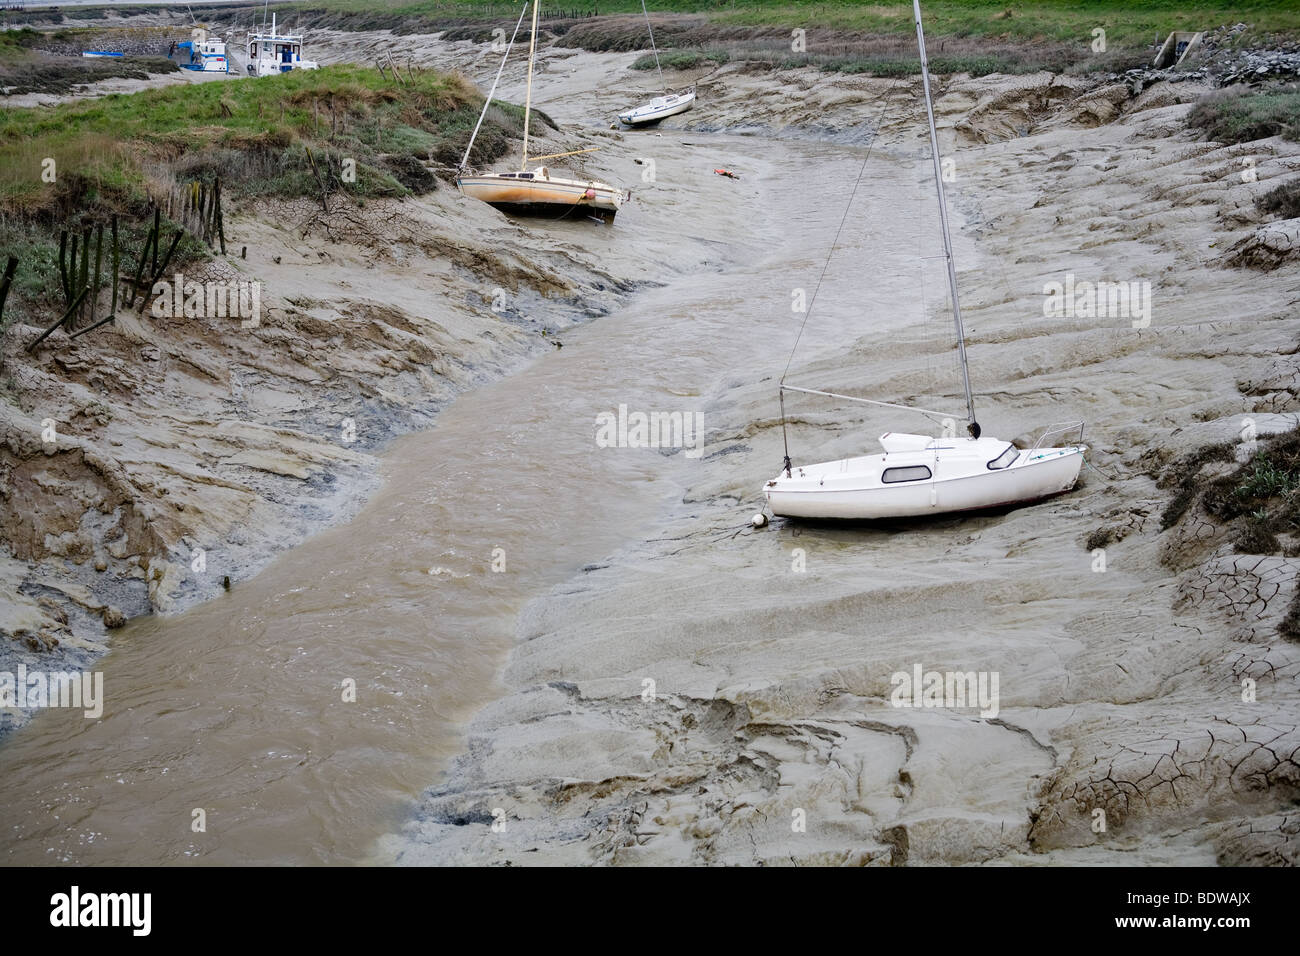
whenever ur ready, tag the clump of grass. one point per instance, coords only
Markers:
(1255, 536)
(1236, 116)
(1270, 479)
(1184, 475)
(1263, 493)
(1290, 626)
(683, 59)
(1283, 201)
(1099, 538)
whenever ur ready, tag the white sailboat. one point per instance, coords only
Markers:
(661, 107)
(919, 474)
(535, 191)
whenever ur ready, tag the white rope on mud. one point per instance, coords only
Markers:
(492, 92)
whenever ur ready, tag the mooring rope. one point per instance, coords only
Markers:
(1098, 470)
(492, 92)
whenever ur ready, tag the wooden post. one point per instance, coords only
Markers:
(10, 267)
(112, 309)
(84, 280)
(221, 219)
(324, 195)
(99, 258)
(91, 328)
(76, 303)
(72, 269)
(150, 240)
(156, 224)
(63, 266)
(167, 258)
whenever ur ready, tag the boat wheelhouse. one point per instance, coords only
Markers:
(274, 52)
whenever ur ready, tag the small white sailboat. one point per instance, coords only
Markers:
(535, 191)
(919, 474)
(661, 107)
(272, 53)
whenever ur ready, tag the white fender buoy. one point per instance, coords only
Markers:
(759, 520)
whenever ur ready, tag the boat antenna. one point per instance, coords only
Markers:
(971, 424)
(653, 48)
(488, 102)
(264, 8)
(528, 98)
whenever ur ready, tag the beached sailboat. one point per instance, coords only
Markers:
(535, 191)
(661, 107)
(919, 474)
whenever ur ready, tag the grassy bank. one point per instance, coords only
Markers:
(299, 134)
(1239, 116)
(1256, 500)
(851, 58)
(1126, 22)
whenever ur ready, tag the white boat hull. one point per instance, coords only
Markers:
(852, 489)
(542, 194)
(658, 109)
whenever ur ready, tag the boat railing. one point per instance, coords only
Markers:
(1057, 428)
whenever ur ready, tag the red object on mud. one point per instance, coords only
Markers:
(726, 172)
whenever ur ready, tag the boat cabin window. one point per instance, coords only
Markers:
(525, 175)
(909, 473)
(1005, 459)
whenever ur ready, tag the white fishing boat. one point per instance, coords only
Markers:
(535, 191)
(274, 52)
(661, 107)
(203, 53)
(920, 474)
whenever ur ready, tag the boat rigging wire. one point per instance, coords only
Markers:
(652, 42)
(488, 102)
(830, 254)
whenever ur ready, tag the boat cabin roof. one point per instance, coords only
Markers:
(901, 444)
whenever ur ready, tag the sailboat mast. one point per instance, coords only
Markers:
(528, 101)
(652, 43)
(943, 217)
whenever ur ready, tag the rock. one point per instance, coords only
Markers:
(113, 617)
(101, 564)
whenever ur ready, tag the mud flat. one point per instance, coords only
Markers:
(1120, 690)
(721, 694)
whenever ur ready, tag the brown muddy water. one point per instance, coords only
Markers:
(236, 707)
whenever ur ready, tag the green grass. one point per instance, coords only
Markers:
(682, 59)
(1127, 22)
(1283, 202)
(1265, 490)
(1237, 116)
(249, 130)
(275, 136)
